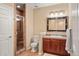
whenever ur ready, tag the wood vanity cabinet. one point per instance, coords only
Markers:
(46, 45)
(55, 46)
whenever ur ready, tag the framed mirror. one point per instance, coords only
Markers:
(57, 24)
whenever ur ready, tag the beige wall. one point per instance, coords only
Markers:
(40, 16)
(36, 19)
(29, 25)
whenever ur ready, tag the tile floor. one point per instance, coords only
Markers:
(29, 53)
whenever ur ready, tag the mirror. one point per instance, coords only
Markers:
(57, 24)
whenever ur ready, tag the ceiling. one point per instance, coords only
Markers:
(38, 5)
(35, 5)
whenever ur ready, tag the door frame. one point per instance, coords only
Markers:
(15, 29)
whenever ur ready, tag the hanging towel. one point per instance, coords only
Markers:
(69, 47)
(41, 43)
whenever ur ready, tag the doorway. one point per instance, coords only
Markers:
(20, 28)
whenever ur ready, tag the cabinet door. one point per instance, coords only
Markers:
(54, 45)
(46, 44)
(62, 46)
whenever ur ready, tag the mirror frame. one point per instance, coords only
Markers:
(66, 23)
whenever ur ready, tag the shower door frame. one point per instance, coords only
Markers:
(15, 30)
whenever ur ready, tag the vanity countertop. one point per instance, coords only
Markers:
(54, 36)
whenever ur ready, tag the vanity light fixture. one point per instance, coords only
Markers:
(61, 13)
(56, 14)
(51, 14)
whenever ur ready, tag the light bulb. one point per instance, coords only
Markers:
(56, 14)
(51, 15)
(18, 6)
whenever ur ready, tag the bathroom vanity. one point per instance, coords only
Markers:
(54, 45)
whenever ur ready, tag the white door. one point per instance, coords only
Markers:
(75, 28)
(6, 30)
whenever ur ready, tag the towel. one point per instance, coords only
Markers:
(41, 43)
(69, 47)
